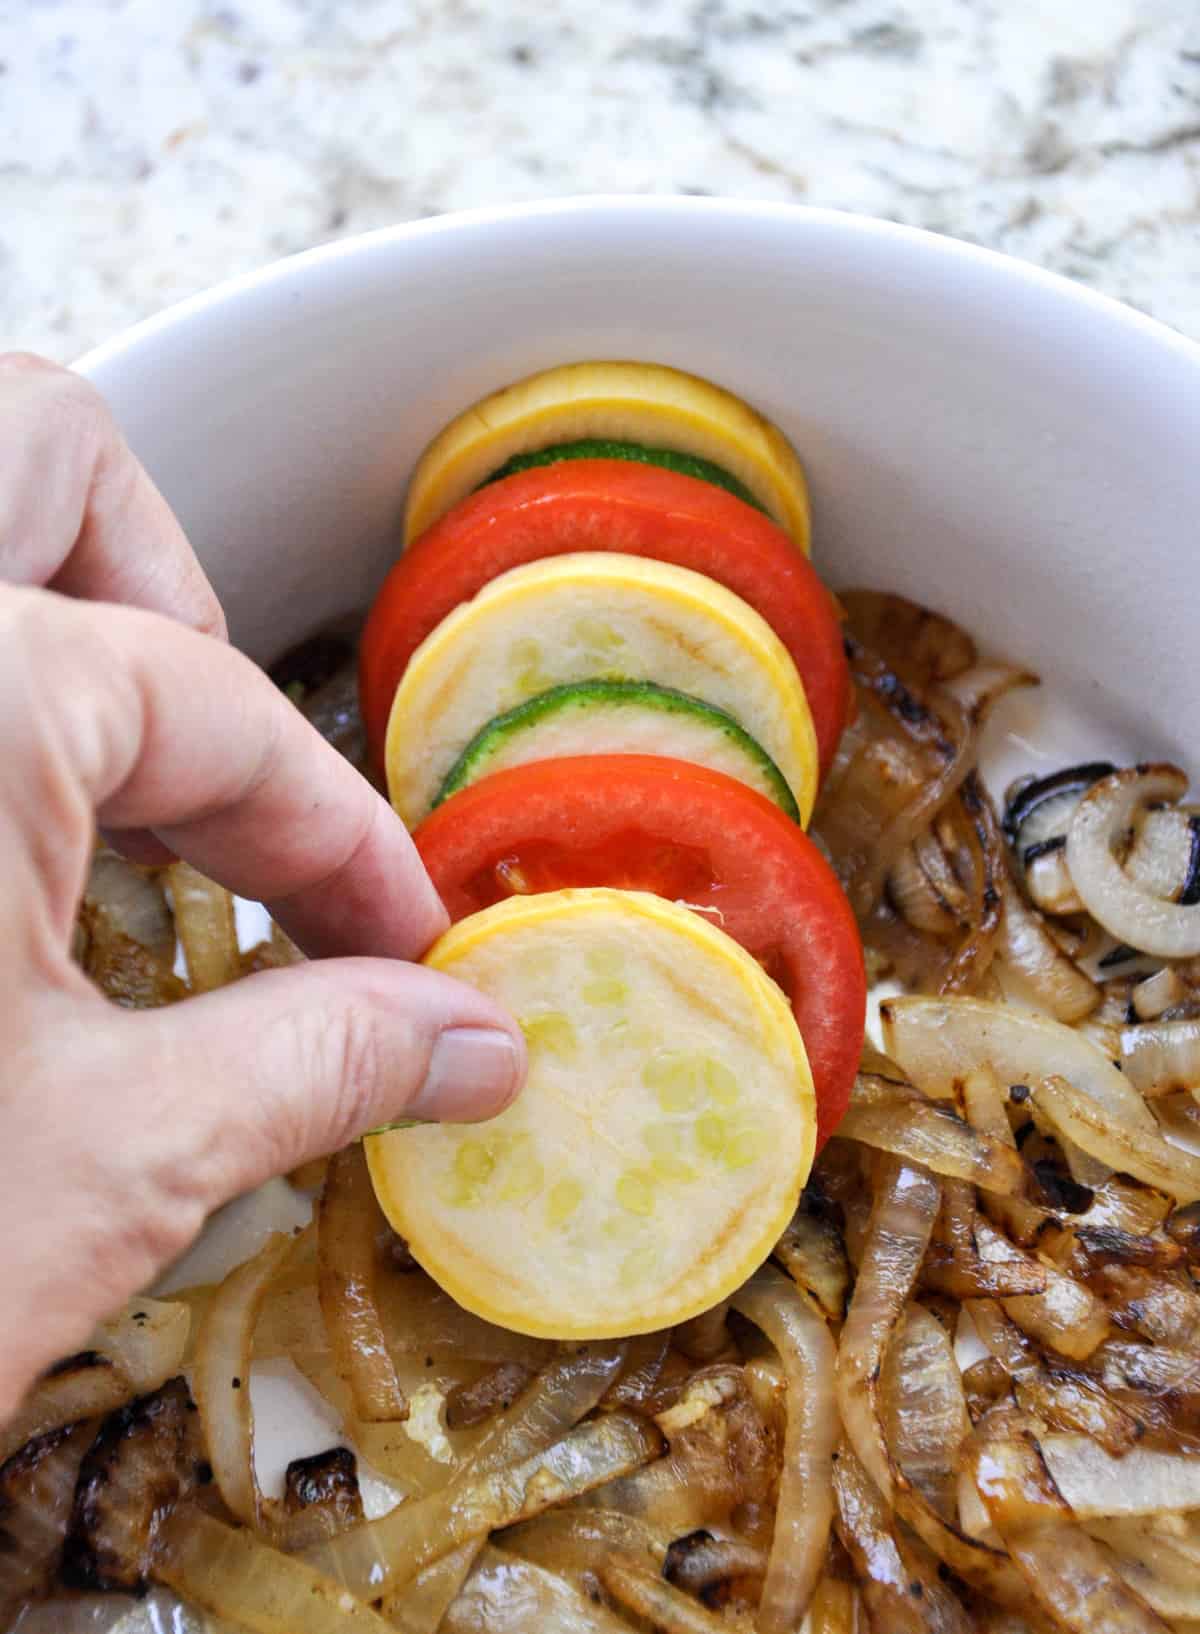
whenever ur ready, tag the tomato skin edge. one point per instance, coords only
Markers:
(588, 505)
(780, 895)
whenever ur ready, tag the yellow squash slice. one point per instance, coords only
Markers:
(659, 1147)
(573, 618)
(644, 403)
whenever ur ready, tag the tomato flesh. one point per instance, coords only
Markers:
(643, 822)
(606, 505)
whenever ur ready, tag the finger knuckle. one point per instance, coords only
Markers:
(28, 363)
(320, 1065)
(349, 1065)
(62, 393)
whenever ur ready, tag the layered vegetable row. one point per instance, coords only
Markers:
(604, 658)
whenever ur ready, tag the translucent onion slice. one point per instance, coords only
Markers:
(938, 1042)
(221, 1378)
(812, 1253)
(550, 1406)
(574, 1541)
(1162, 1056)
(232, 1574)
(893, 1118)
(902, 1218)
(834, 1607)
(1126, 910)
(205, 922)
(1160, 1565)
(924, 1408)
(1143, 1153)
(349, 1221)
(421, 1320)
(981, 687)
(1067, 1317)
(1072, 1576)
(420, 1607)
(901, 1592)
(1141, 1482)
(805, 1505)
(508, 1595)
(371, 1559)
(656, 1602)
(131, 901)
(1029, 949)
(905, 1207)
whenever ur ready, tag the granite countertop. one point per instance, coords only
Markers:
(151, 147)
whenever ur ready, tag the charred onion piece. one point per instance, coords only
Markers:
(307, 666)
(1036, 819)
(132, 1354)
(323, 1489)
(146, 1457)
(925, 647)
(722, 1459)
(493, 1392)
(813, 1255)
(701, 1563)
(898, 767)
(37, 1491)
(125, 937)
(1067, 1317)
(334, 710)
(1139, 1152)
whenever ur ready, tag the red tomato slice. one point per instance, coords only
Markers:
(640, 510)
(647, 823)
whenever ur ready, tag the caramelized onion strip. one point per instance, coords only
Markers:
(804, 1509)
(349, 1222)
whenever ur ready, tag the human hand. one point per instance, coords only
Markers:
(120, 1132)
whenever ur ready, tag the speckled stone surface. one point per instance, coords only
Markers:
(149, 148)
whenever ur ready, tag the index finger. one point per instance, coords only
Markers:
(77, 510)
(169, 730)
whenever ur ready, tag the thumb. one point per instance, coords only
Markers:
(289, 1065)
(135, 1126)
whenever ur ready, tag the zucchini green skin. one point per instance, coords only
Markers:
(472, 764)
(600, 448)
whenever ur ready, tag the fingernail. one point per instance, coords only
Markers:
(473, 1073)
